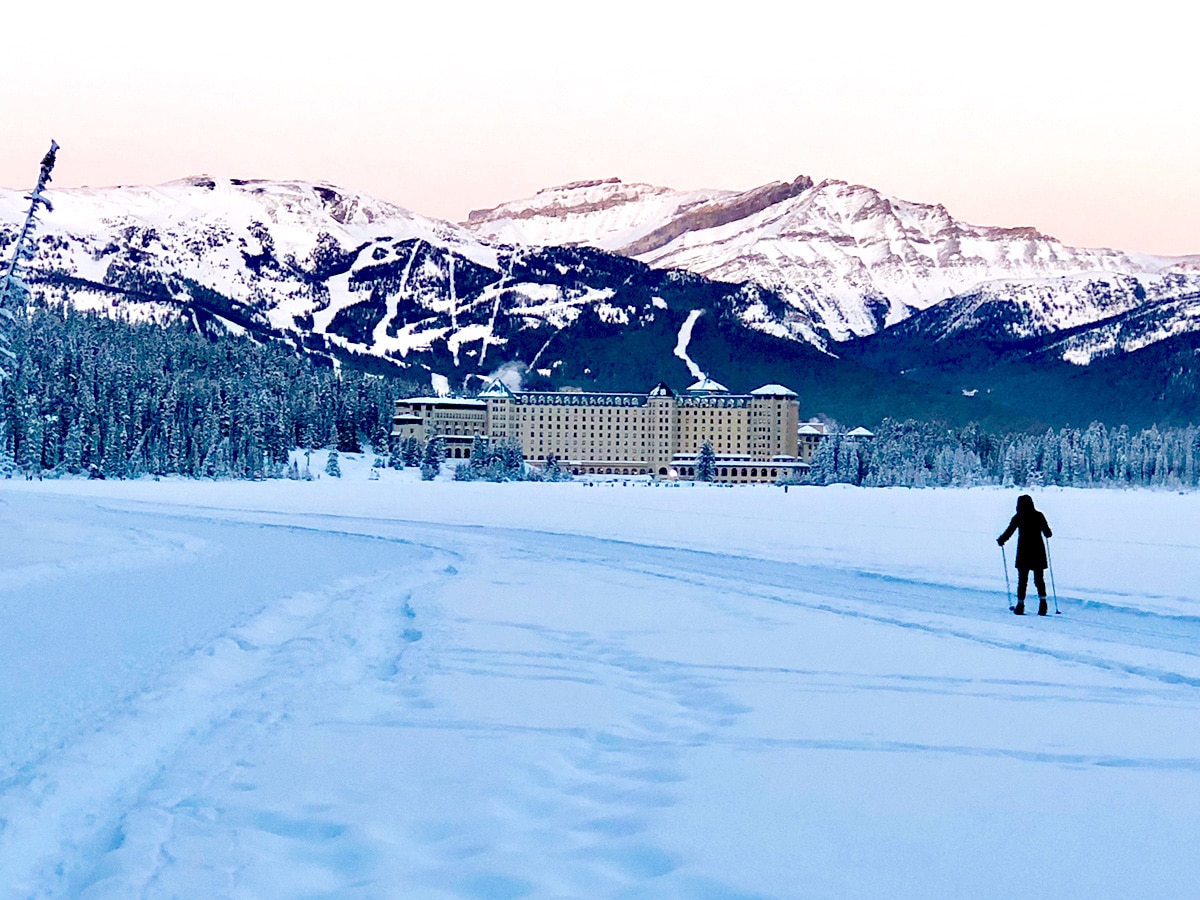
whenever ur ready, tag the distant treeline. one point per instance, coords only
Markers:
(89, 394)
(919, 454)
(93, 395)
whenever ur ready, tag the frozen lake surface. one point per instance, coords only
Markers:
(395, 688)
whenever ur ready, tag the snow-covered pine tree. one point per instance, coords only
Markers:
(481, 452)
(706, 463)
(823, 466)
(511, 459)
(347, 438)
(411, 454)
(332, 468)
(380, 436)
(73, 448)
(14, 293)
(431, 460)
(553, 470)
(30, 456)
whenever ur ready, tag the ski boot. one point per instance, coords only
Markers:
(1042, 610)
(1019, 609)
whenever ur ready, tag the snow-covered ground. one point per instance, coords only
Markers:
(396, 688)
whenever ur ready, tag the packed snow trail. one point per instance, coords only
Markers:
(497, 712)
(98, 710)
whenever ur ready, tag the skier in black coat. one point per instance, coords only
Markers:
(1030, 525)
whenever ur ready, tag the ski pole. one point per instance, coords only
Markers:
(1007, 587)
(1050, 562)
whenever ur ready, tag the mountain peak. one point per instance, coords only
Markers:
(848, 258)
(577, 185)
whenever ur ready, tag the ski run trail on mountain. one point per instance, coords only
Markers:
(396, 688)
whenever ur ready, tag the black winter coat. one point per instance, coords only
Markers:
(1030, 525)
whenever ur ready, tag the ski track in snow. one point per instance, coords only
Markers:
(501, 712)
(685, 338)
(379, 336)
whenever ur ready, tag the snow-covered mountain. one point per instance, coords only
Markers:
(597, 284)
(277, 253)
(848, 260)
(339, 272)
(845, 260)
(1084, 317)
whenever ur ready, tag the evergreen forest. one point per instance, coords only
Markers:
(91, 394)
(922, 454)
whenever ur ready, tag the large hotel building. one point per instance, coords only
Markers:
(754, 435)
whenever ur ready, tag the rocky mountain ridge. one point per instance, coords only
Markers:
(848, 260)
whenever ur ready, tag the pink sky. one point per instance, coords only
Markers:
(1025, 113)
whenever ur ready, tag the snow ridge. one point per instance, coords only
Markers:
(849, 259)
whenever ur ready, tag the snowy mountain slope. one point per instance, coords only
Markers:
(1135, 358)
(1022, 311)
(1134, 330)
(337, 272)
(851, 259)
(607, 214)
(261, 253)
(298, 258)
